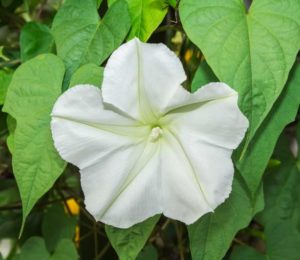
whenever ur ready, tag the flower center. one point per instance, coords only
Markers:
(156, 133)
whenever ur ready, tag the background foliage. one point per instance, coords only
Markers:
(47, 46)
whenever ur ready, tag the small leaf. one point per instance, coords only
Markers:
(146, 16)
(253, 51)
(57, 225)
(82, 38)
(65, 250)
(172, 3)
(35, 39)
(129, 242)
(33, 249)
(30, 98)
(87, 74)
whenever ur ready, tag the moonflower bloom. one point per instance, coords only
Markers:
(143, 144)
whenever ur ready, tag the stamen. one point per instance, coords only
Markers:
(156, 133)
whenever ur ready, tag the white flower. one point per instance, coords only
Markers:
(145, 145)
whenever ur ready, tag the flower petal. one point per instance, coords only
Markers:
(211, 115)
(208, 92)
(123, 195)
(118, 166)
(83, 131)
(197, 181)
(203, 131)
(141, 78)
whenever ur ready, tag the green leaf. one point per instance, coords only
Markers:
(283, 239)
(5, 78)
(99, 3)
(11, 125)
(35, 39)
(9, 193)
(57, 225)
(251, 51)
(34, 249)
(30, 98)
(281, 216)
(88, 74)
(247, 253)
(10, 224)
(256, 159)
(82, 38)
(203, 75)
(65, 250)
(211, 236)
(172, 3)
(146, 16)
(148, 253)
(129, 242)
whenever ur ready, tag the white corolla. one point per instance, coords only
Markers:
(143, 144)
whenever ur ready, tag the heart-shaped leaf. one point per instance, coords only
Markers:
(30, 97)
(81, 37)
(253, 51)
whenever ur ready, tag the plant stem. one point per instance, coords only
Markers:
(103, 251)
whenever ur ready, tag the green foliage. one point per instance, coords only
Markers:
(246, 252)
(65, 250)
(87, 74)
(8, 192)
(11, 126)
(146, 16)
(253, 51)
(35, 39)
(34, 249)
(5, 78)
(83, 38)
(203, 76)
(148, 253)
(256, 158)
(57, 225)
(129, 242)
(36, 163)
(281, 215)
(205, 239)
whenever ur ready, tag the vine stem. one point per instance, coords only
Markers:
(178, 229)
(103, 251)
